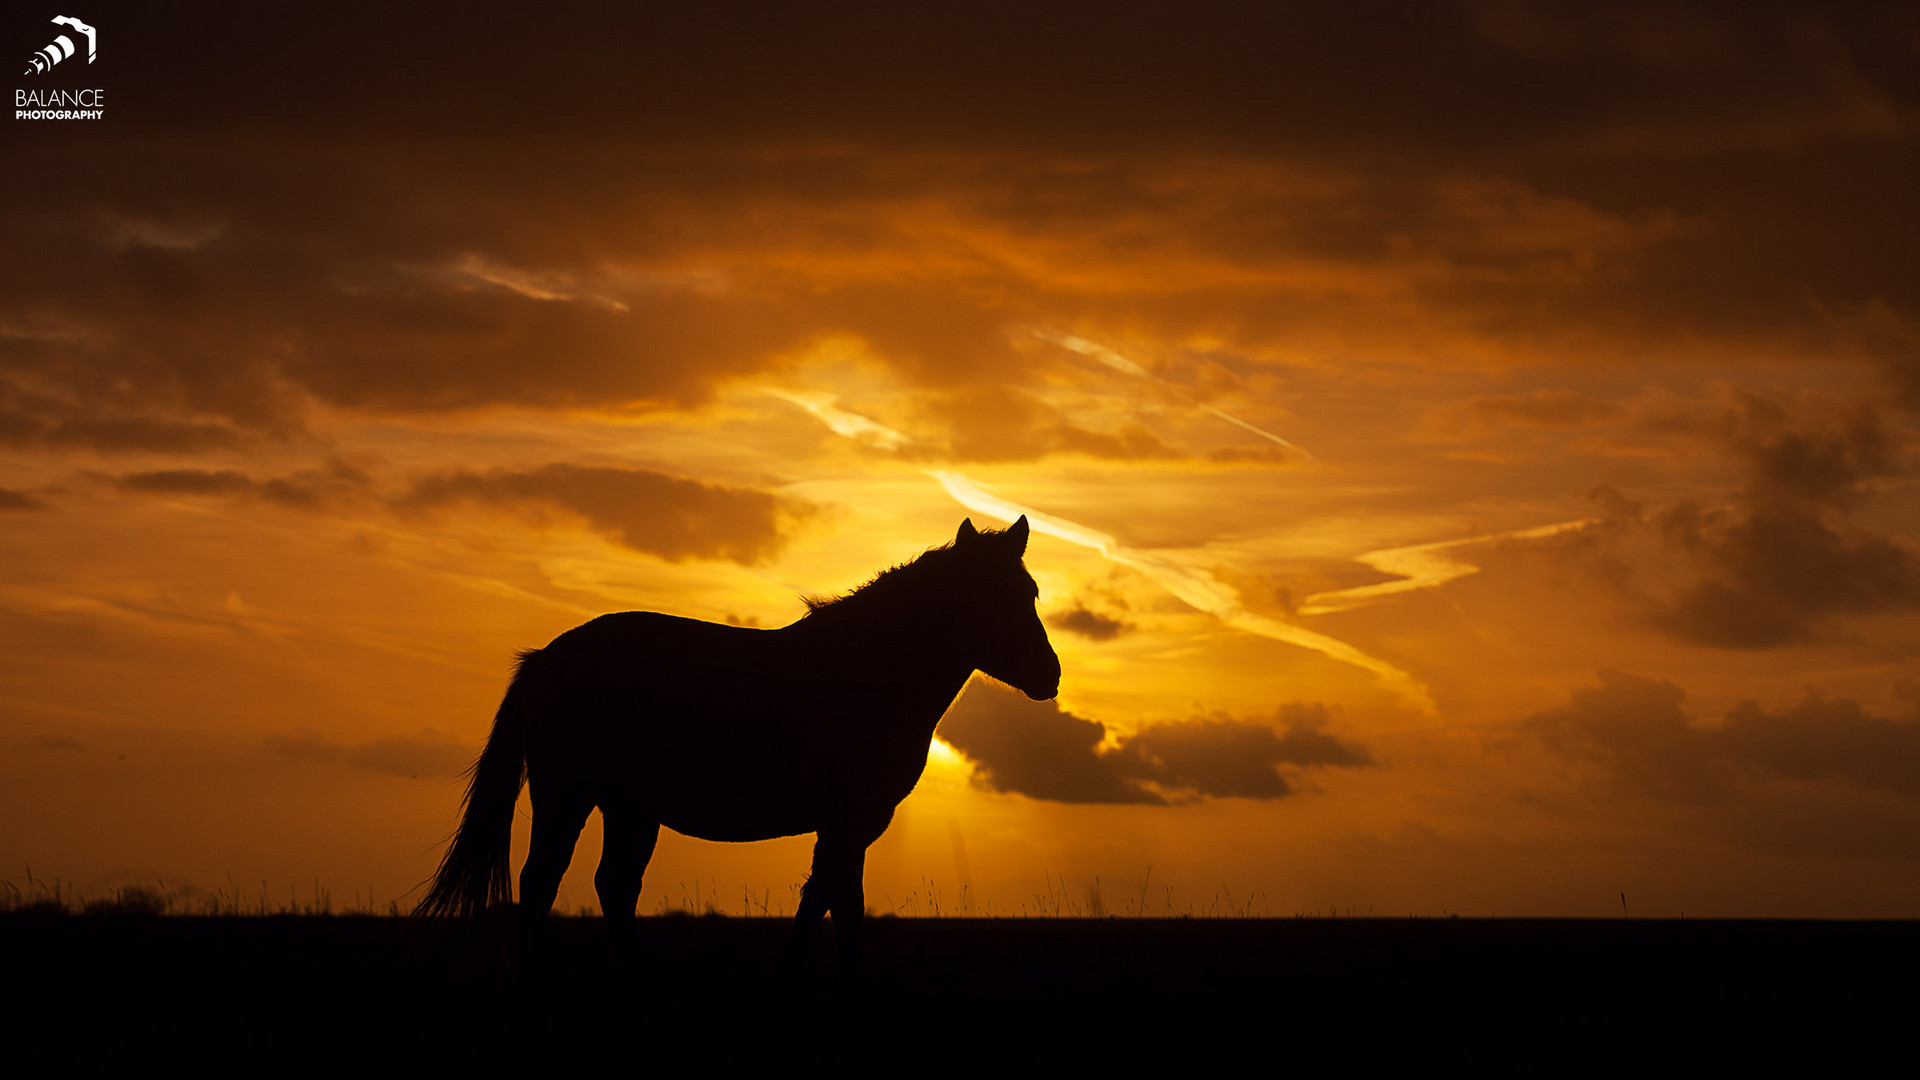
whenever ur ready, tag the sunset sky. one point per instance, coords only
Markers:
(1470, 446)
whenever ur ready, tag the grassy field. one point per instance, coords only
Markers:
(356, 995)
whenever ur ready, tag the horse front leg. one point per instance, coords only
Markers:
(834, 885)
(849, 907)
(795, 957)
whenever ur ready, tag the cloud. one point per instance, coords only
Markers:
(1090, 624)
(1001, 423)
(1887, 335)
(305, 489)
(1041, 751)
(1636, 728)
(80, 416)
(430, 753)
(1228, 758)
(1548, 409)
(1117, 362)
(1779, 559)
(1080, 74)
(647, 511)
(699, 213)
(190, 482)
(1786, 556)
(71, 428)
(19, 500)
(1035, 748)
(1776, 574)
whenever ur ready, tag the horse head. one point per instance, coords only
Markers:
(999, 626)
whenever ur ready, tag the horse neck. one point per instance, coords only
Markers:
(911, 645)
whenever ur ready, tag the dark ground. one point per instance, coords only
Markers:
(344, 996)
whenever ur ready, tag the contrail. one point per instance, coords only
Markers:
(1114, 360)
(1422, 566)
(850, 424)
(528, 285)
(1197, 588)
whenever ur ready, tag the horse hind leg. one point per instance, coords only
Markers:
(628, 847)
(558, 817)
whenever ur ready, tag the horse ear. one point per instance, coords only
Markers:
(1017, 533)
(967, 533)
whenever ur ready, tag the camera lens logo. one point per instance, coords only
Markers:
(62, 46)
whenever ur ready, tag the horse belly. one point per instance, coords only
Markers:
(717, 767)
(718, 778)
(734, 789)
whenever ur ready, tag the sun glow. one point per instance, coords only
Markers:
(944, 757)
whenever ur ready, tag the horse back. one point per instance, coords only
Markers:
(720, 731)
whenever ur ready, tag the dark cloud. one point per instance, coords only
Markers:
(1038, 750)
(646, 511)
(1890, 338)
(674, 198)
(35, 420)
(322, 297)
(190, 482)
(1776, 574)
(1438, 79)
(1786, 556)
(428, 754)
(1090, 624)
(1035, 748)
(1233, 758)
(1822, 466)
(1827, 738)
(1638, 730)
(306, 489)
(1782, 558)
(19, 500)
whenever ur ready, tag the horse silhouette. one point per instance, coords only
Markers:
(732, 733)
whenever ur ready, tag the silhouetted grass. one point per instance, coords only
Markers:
(1057, 899)
(58, 897)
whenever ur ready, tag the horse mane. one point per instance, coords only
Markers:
(894, 585)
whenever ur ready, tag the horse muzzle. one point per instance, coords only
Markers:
(1047, 687)
(1047, 694)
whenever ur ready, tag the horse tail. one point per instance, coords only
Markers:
(473, 873)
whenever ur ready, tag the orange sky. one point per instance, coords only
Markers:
(1469, 447)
